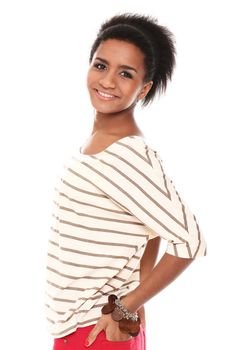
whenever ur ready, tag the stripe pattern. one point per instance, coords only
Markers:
(106, 207)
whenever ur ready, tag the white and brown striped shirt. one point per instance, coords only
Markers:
(106, 208)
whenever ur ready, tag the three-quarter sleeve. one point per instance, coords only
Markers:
(136, 181)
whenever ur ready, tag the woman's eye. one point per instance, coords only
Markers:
(127, 74)
(99, 66)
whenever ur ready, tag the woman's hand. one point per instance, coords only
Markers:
(111, 328)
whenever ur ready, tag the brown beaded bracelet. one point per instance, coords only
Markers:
(128, 322)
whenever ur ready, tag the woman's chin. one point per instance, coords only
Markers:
(109, 108)
(106, 107)
(114, 110)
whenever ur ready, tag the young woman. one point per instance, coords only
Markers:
(114, 201)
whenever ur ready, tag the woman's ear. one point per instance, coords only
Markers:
(146, 88)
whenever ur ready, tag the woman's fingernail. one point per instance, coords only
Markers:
(86, 342)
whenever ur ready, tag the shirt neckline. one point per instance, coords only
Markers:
(110, 146)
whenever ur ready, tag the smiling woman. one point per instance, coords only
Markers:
(115, 202)
(111, 79)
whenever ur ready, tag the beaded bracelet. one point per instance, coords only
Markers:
(127, 314)
(128, 322)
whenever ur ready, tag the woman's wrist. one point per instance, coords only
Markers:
(131, 301)
(129, 322)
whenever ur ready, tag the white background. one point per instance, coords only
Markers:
(46, 115)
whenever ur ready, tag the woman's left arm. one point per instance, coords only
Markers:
(147, 264)
(168, 268)
(147, 193)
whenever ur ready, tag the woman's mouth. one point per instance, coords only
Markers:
(104, 96)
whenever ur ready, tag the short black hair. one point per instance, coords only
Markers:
(156, 42)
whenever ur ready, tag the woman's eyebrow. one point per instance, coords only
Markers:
(121, 66)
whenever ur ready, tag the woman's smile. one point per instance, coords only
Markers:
(105, 96)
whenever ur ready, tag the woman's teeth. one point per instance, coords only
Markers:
(103, 94)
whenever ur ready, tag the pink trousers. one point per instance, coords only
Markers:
(75, 341)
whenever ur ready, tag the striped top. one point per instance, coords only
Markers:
(106, 208)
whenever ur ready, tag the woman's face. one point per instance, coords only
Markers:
(115, 76)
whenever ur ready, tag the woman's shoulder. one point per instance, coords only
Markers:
(134, 150)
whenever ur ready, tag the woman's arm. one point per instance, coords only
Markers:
(149, 257)
(168, 268)
(147, 264)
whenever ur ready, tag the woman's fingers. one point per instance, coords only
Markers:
(92, 335)
(113, 332)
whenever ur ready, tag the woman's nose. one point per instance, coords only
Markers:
(107, 81)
